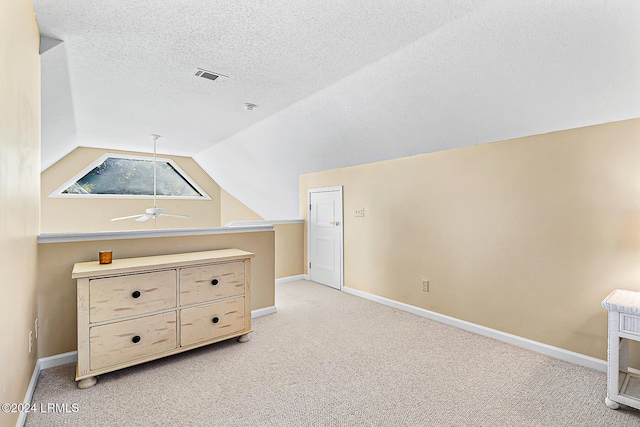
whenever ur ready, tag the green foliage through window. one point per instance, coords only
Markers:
(121, 176)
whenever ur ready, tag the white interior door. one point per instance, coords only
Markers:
(325, 236)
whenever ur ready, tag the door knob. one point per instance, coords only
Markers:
(335, 222)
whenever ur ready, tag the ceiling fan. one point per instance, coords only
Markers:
(154, 212)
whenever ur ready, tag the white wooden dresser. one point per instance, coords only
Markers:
(623, 382)
(139, 309)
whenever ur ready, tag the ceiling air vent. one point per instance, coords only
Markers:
(208, 74)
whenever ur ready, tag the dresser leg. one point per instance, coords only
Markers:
(243, 338)
(87, 382)
(611, 404)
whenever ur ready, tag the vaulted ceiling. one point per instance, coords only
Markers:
(336, 83)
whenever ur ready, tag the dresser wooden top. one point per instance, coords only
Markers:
(131, 265)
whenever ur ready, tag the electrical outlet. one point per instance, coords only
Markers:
(425, 285)
(30, 341)
(360, 212)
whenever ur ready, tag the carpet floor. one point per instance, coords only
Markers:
(327, 358)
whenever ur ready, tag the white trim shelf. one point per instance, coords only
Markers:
(141, 234)
(256, 223)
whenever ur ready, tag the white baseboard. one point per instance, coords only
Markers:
(44, 363)
(538, 347)
(58, 360)
(263, 311)
(290, 279)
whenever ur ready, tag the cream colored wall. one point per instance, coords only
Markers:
(19, 196)
(289, 255)
(231, 209)
(64, 215)
(289, 249)
(57, 291)
(526, 236)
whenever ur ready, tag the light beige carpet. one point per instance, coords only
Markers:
(328, 358)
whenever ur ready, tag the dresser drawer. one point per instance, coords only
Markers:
(135, 294)
(210, 282)
(630, 324)
(131, 339)
(209, 321)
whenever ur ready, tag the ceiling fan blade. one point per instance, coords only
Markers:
(126, 217)
(144, 217)
(174, 215)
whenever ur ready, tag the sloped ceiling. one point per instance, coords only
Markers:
(337, 83)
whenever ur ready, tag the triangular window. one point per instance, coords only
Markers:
(131, 176)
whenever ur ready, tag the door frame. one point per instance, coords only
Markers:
(338, 188)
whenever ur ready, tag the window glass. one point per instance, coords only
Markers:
(124, 176)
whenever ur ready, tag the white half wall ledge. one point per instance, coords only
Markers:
(256, 223)
(141, 234)
(538, 347)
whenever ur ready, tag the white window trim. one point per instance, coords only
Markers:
(58, 193)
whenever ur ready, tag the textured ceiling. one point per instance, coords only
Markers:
(337, 83)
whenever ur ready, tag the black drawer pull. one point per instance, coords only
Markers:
(214, 282)
(136, 294)
(136, 339)
(215, 320)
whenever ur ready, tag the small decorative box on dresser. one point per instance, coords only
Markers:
(623, 382)
(139, 309)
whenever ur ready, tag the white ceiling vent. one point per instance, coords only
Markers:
(208, 74)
